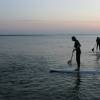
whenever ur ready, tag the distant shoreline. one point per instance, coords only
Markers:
(70, 34)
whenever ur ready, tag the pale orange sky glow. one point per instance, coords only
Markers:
(50, 15)
(41, 26)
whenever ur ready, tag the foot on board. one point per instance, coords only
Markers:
(77, 69)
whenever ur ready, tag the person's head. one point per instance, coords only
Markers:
(97, 37)
(73, 38)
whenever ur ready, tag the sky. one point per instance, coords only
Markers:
(50, 15)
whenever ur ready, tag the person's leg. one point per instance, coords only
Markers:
(99, 47)
(78, 61)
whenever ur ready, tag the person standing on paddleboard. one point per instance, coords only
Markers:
(77, 46)
(97, 44)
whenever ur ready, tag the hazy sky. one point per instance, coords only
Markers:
(50, 15)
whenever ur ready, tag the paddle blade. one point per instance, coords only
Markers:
(92, 49)
(69, 62)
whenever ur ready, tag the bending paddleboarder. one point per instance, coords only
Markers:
(77, 46)
(97, 44)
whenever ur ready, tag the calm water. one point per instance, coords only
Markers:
(25, 62)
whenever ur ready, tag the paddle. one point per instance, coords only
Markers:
(93, 48)
(70, 61)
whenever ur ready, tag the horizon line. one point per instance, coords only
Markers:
(42, 34)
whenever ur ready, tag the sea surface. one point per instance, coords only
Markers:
(25, 63)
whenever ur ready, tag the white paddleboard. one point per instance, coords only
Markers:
(69, 71)
(94, 53)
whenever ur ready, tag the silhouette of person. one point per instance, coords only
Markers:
(77, 46)
(98, 43)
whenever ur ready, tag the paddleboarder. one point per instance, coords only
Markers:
(97, 44)
(77, 46)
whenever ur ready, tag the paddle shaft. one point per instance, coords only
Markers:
(72, 56)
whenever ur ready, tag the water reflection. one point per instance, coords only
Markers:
(74, 91)
(78, 80)
(97, 57)
(76, 88)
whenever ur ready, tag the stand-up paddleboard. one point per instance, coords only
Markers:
(94, 53)
(69, 71)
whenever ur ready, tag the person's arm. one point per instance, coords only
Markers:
(77, 45)
(74, 49)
